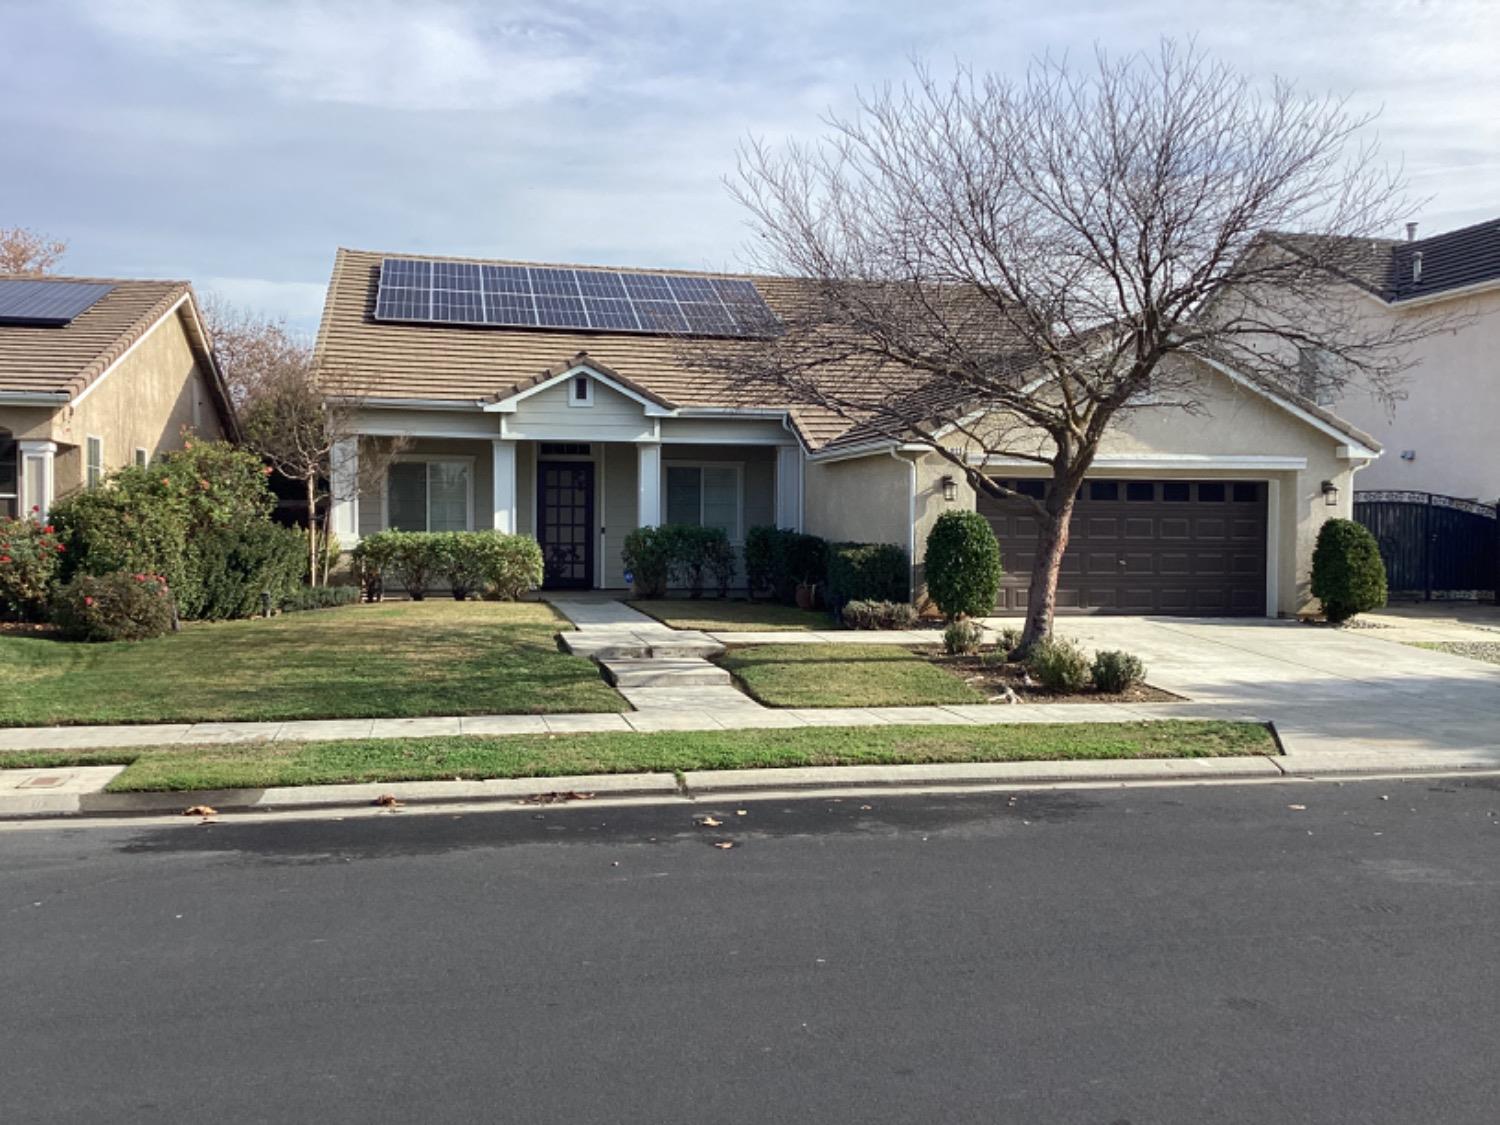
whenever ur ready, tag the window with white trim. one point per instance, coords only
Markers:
(704, 496)
(93, 464)
(141, 457)
(581, 391)
(428, 495)
(10, 476)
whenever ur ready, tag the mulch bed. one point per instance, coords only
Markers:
(993, 679)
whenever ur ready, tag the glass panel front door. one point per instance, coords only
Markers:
(565, 523)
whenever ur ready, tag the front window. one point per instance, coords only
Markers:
(428, 496)
(10, 476)
(93, 469)
(705, 496)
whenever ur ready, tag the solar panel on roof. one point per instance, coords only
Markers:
(47, 304)
(444, 292)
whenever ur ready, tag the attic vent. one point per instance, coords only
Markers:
(1416, 267)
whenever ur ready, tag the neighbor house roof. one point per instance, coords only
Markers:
(1451, 261)
(64, 360)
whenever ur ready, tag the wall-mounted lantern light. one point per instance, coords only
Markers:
(950, 489)
(1330, 494)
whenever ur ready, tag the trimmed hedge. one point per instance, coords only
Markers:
(474, 563)
(682, 554)
(318, 597)
(878, 615)
(238, 566)
(875, 572)
(777, 561)
(963, 564)
(1348, 576)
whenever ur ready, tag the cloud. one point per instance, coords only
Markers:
(381, 54)
(299, 303)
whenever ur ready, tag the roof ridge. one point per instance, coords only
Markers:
(668, 271)
(78, 279)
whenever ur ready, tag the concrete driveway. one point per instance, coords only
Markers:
(1327, 690)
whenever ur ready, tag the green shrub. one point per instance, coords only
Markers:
(1348, 576)
(806, 561)
(1115, 672)
(765, 560)
(877, 572)
(236, 566)
(1059, 665)
(144, 520)
(30, 558)
(368, 562)
(1008, 640)
(318, 597)
(120, 606)
(647, 555)
(962, 637)
(878, 615)
(489, 564)
(963, 564)
(692, 551)
(411, 559)
(721, 564)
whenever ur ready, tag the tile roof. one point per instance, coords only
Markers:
(66, 359)
(1453, 260)
(468, 364)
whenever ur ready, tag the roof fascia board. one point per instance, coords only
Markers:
(868, 449)
(508, 405)
(1470, 290)
(34, 398)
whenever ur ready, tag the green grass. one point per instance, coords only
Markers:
(715, 616)
(1487, 651)
(395, 659)
(848, 675)
(268, 765)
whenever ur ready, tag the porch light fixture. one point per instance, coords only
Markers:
(1330, 494)
(950, 489)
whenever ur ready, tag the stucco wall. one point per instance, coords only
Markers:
(157, 395)
(866, 500)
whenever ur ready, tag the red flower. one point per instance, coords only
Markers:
(36, 507)
(88, 600)
(4, 558)
(61, 548)
(48, 529)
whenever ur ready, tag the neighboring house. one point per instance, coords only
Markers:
(517, 414)
(1440, 437)
(96, 374)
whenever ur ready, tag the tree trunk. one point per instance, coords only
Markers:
(312, 530)
(1052, 543)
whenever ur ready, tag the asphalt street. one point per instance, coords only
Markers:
(1196, 954)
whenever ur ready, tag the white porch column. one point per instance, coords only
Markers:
(343, 465)
(789, 487)
(38, 481)
(648, 485)
(504, 485)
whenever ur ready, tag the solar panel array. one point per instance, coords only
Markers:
(413, 289)
(48, 304)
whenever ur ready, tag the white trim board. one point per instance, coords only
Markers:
(508, 405)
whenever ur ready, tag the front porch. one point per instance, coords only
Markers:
(578, 482)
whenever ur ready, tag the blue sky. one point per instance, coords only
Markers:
(238, 143)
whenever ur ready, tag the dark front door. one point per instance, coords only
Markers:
(1191, 548)
(565, 523)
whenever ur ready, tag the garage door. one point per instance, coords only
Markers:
(1193, 548)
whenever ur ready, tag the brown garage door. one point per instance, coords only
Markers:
(1193, 548)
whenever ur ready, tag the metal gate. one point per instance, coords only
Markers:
(1433, 546)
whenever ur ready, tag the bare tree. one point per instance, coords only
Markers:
(1004, 269)
(293, 412)
(28, 252)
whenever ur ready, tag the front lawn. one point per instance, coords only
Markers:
(712, 615)
(847, 675)
(266, 765)
(395, 659)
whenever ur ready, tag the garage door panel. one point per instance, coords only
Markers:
(1169, 547)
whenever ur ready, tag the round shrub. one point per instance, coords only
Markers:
(1059, 665)
(647, 554)
(962, 637)
(1115, 672)
(119, 606)
(963, 564)
(237, 566)
(1348, 576)
(30, 556)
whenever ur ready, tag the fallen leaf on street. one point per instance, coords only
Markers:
(556, 798)
(1297, 808)
(724, 844)
(386, 801)
(200, 810)
(741, 812)
(708, 822)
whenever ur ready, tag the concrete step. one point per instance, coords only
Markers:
(632, 673)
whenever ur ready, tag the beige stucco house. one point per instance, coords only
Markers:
(96, 374)
(1440, 436)
(555, 401)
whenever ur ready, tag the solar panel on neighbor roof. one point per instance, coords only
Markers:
(47, 303)
(414, 289)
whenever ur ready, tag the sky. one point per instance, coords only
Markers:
(237, 143)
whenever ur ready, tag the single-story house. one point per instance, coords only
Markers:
(557, 401)
(95, 374)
